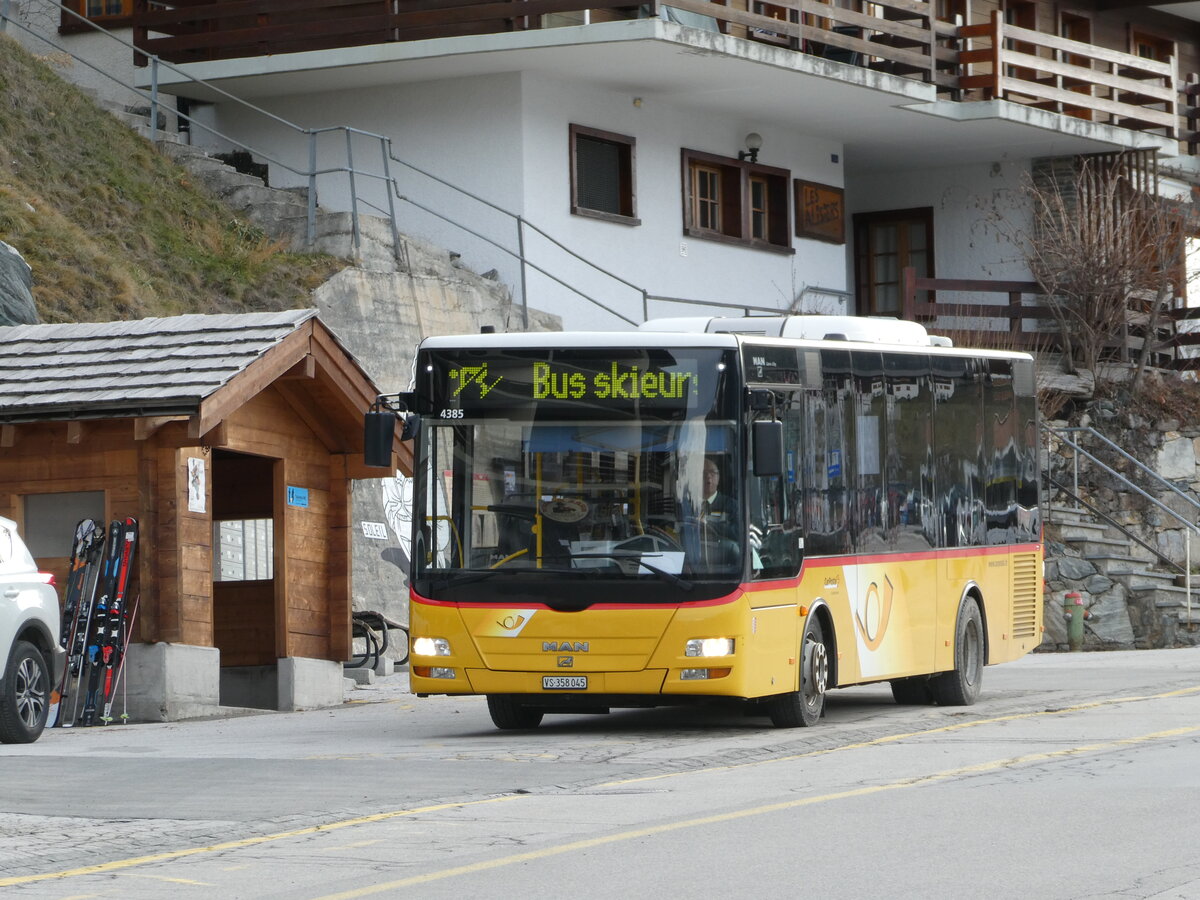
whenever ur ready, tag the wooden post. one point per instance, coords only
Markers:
(140, 32)
(909, 291)
(997, 55)
(1191, 90)
(1173, 103)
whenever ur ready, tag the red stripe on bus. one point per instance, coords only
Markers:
(488, 604)
(775, 585)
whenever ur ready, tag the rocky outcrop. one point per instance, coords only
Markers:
(1128, 568)
(16, 288)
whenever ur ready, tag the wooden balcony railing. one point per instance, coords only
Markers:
(1070, 77)
(907, 39)
(985, 61)
(1020, 324)
(1026, 322)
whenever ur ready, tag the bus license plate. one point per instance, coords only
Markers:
(564, 682)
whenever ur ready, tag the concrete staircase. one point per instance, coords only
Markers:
(1135, 599)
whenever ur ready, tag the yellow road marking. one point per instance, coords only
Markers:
(351, 846)
(891, 738)
(720, 818)
(117, 865)
(171, 880)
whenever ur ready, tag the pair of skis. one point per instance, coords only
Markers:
(95, 624)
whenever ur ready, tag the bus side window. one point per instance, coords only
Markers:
(775, 525)
(910, 472)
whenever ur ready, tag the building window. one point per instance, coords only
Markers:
(51, 520)
(736, 202)
(885, 244)
(1151, 46)
(759, 208)
(106, 13)
(602, 183)
(956, 11)
(706, 199)
(245, 550)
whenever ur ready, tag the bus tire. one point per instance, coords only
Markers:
(509, 715)
(803, 708)
(961, 685)
(915, 691)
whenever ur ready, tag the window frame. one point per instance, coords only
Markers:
(68, 24)
(735, 201)
(627, 146)
(1154, 38)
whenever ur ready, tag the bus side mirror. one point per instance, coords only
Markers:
(379, 427)
(378, 431)
(768, 448)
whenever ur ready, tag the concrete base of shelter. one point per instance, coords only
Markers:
(170, 682)
(309, 683)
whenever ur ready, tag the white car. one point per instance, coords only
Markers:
(29, 629)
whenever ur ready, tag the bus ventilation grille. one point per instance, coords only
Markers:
(1025, 596)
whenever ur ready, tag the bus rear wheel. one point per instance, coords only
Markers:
(803, 708)
(509, 715)
(961, 685)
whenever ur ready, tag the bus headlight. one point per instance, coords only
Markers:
(709, 647)
(424, 646)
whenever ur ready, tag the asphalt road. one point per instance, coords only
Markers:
(1075, 775)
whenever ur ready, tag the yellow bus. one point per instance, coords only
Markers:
(753, 510)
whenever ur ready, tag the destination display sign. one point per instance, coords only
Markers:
(589, 383)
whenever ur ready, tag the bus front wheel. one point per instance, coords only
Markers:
(961, 685)
(510, 715)
(805, 706)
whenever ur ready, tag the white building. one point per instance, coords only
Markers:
(622, 137)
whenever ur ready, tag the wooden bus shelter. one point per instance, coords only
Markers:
(233, 439)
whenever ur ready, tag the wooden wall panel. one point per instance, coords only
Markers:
(244, 622)
(338, 591)
(267, 425)
(193, 536)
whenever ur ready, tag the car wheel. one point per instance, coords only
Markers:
(25, 699)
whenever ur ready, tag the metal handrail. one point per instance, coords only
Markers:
(1124, 529)
(353, 173)
(1062, 435)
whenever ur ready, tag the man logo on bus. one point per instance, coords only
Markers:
(872, 614)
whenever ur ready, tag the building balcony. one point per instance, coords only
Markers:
(961, 64)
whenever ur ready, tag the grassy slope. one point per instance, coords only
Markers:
(112, 229)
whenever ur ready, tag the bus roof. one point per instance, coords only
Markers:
(829, 332)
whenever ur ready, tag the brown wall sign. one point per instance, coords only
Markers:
(820, 212)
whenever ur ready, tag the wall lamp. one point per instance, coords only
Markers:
(753, 145)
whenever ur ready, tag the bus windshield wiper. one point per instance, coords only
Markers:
(459, 577)
(620, 555)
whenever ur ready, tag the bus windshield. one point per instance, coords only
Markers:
(541, 476)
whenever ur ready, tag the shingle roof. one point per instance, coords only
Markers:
(144, 367)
